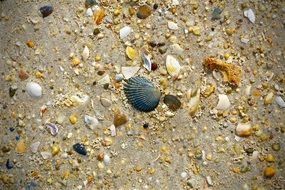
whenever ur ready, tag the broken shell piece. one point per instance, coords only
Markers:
(243, 129)
(129, 72)
(98, 16)
(79, 99)
(194, 103)
(146, 62)
(125, 31)
(53, 128)
(91, 122)
(224, 102)
(172, 65)
(104, 80)
(280, 101)
(85, 53)
(113, 130)
(131, 53)
(250, 15)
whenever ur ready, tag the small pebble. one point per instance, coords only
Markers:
(243, 129)
(73, 119)
(172, 102)
(269, 172)
(9, 164)
(80, 149)
(172, 25)
(144, 11)
(106, 159)
(46, 10)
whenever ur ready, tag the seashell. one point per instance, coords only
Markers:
(46, 10)
(172, 65)
(146, 62)
(280, 101)
(53, 128)
(224, 102)
(34, 89)
(80, 149)
(142, 94)
(172, 102)
(104, 80)
(131, 53)
(91, 122)
(129, 72)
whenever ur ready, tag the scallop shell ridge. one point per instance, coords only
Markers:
(142, 94)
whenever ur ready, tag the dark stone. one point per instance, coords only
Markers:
(80, 149)
(9, 165)
(12, 91)
(46, 10)
(216, 14)
(146, 125)
(172, 102)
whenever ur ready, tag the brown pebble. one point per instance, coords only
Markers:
(172, 102)
(269, 172)
(144, 11)
(21, 147)
(119, 119)
(23, 75)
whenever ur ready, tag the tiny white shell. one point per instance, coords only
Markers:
(91, 122)
(129, 72)
(89, 12)
(172, 65)
(125, 31)
(34, 89)
(224, 102)
(172, 25)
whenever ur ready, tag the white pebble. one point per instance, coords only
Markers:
(91, 122)
(89, 12)
(34, 89)
(183, 174)
(280, 101)
(113, 130)
(209, 181)
(34, 146)
(46, 155)
(172, 25)
(106, 159)
(85, 53)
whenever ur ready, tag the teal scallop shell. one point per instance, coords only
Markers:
(142, 94)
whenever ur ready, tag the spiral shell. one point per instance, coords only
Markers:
(142, 94)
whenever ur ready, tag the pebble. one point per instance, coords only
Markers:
(34, 89)
(269, 172)
(89, 12)
(9, 164)
(268, 98)
(125, 31)
(172, 25)
(91, 122)
(183, 174)
(46, 10)
(106, 159)
(113, 130)
(85, 53)
(280, 102)
(90, 3)
(80, 149)
(46, 155)
(105, 102)
(172, 102)
(216, 14)
(243, 129)
(144, 11)
(131, 53)
(34, 147)
(119, 77)
(12, 91)
(119, 119)
(21, 147)
(223, 103)
(104, 80)
(209, 180)
(276, 146)
(250, 15)
(55, 149)
(23, 75)
(73, 119)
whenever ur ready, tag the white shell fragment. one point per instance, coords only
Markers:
(172, 25)
(104, 80)
(250, 15)
(194, 103)
(106, 159)
(79, 99)
(34, 89)
(53, 128)
(146, 62)
(280, 101)
(34, 147)
(129, 72)
(172, 65)
(89, 12)
(125, 31)
(113, 130)
(85, 53)
(224, 102)
(91, 122)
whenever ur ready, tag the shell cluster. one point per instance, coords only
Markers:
(142, 94)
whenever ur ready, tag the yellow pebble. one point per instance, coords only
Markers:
(97, 58)
(55, 150)
(227, 56)
(39, 75)
(117, 12)
(75, 61)
(73, 119)
(269, 172)
(131, 53)
(270, 158)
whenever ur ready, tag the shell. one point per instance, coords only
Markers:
(131, 53)
(172, 102)
(172, 65)
(53, 128)
(141, 93)
(146, 62)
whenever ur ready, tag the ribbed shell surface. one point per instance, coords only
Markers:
(141, 94)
